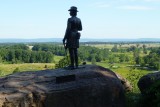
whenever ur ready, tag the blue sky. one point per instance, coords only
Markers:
(100, 18)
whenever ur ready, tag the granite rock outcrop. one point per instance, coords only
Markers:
(89, 86)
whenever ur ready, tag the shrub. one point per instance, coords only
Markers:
(16, 70)
(63, 62)
(152, 96)
(1, 73)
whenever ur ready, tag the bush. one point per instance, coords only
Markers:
(63, 62)
(133, 76)
(46, 66)
(16, 70)
(152, 96)
(1, 73)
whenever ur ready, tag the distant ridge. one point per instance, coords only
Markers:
(59, 40)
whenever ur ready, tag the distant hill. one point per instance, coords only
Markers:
(59, 40)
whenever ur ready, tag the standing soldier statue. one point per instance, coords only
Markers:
(72, 37)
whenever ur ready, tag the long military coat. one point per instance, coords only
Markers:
(72, 35)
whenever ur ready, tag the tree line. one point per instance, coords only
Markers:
(20, 53)
(45, 52)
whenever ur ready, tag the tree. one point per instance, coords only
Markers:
(93, 59)
(144, 49)
(11, 55)
(26, 56)
(136, 56)
(33, 57)
(1, 59)
(114, 49)
(49, 57)
(137, 45)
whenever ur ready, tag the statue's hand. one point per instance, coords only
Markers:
(63, 41)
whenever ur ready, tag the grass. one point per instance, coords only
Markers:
(57, 58)
(6, 69)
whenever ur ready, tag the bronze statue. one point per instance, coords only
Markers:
(72, 37)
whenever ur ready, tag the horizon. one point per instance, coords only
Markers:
(81, 38)
(101, 19)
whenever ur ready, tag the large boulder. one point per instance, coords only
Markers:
(147, 81)
(90, 86)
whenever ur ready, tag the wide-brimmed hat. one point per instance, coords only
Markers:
(73, 8)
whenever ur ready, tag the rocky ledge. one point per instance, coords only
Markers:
(90, 86)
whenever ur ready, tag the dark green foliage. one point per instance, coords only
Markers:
(114, 49)
(21, 54)
(45, 66)
(152, 96)
(93, 59)
(133, 76)
(88, 53)
(14, 46)
(63, 62)
(16, 70)
(153, 59)
(132, 48)
(123, 58)
(1, 73)
(133, 99)
(54, 49)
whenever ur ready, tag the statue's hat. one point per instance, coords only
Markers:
(73, 8)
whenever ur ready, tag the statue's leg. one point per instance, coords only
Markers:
(71, 52)
(76, 57)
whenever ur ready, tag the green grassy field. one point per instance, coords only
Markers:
(57, 58)
(109, 46)
(6, 69)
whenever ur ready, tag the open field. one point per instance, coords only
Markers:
(125, 45)
(6, 69)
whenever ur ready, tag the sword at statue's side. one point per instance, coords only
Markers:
(64, 44)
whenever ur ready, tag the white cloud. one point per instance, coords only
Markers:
(135, 7)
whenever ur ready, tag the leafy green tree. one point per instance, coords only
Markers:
(11, 55)
(26, 56)
(1, 60)
(18, 54)
(33, 57)
(136, 56)
(93, 59)
(115, 48)
(131, 48)
(49, 57)
(122, 58)
(98, 57)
